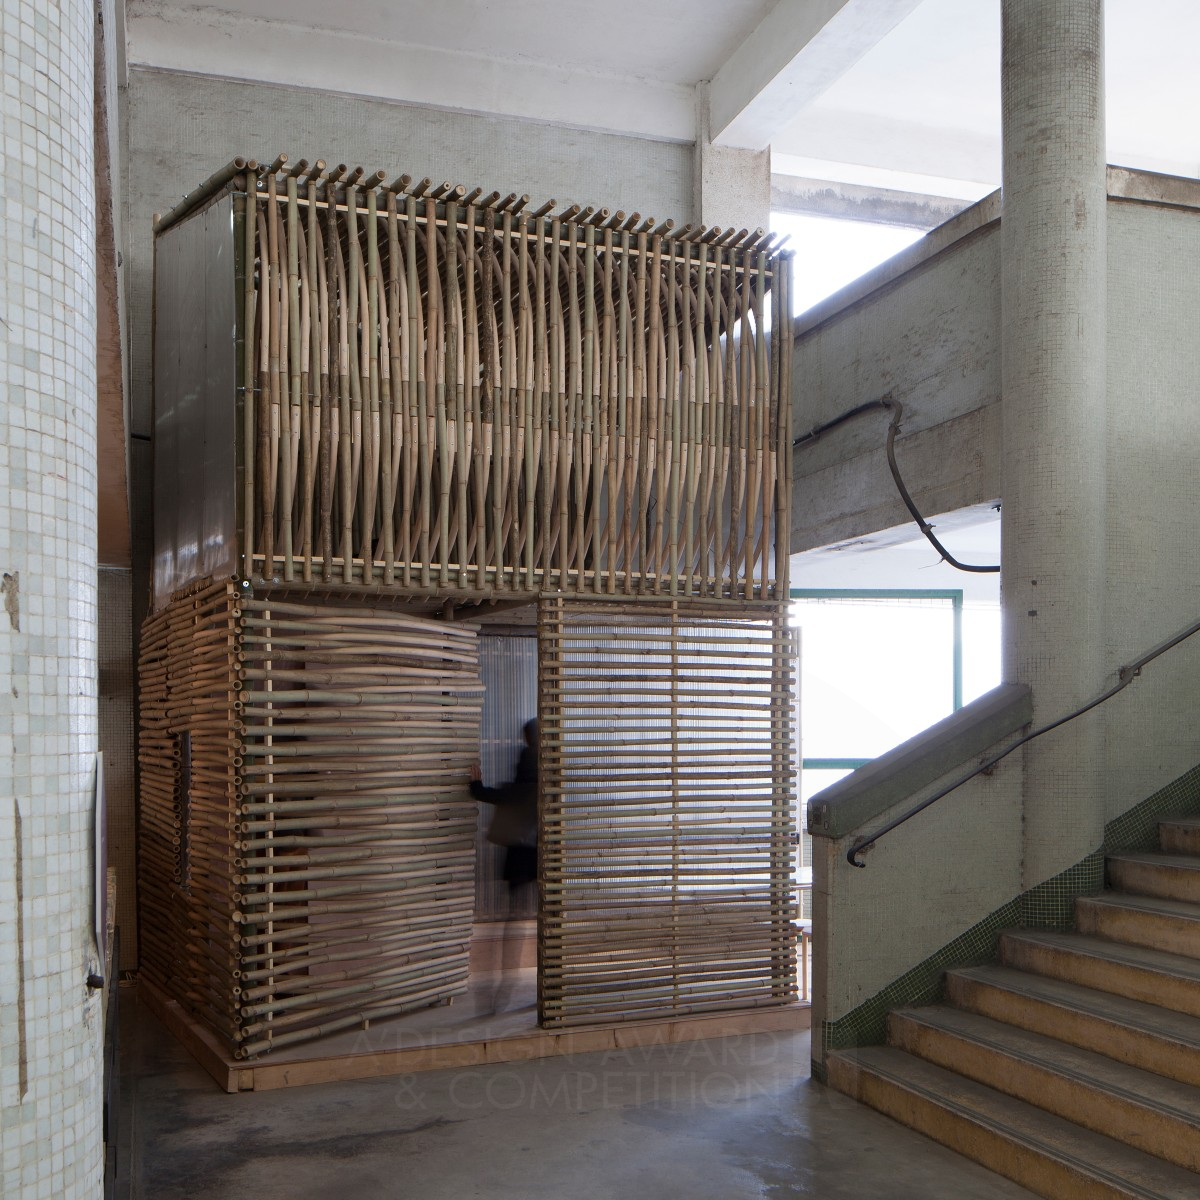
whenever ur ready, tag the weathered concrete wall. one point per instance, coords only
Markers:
(1152, 507)
(924, 327)
(924, 885)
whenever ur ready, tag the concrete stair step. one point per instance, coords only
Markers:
(1159, 1116)
(1169, 925)
(1129, 1031)
(1135, 972)
(1169, 876)
(1180, 835)
(1042, 1152)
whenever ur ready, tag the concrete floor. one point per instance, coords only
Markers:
(726, 1119)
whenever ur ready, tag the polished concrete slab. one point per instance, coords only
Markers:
(724, 1119)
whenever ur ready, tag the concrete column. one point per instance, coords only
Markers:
(1054, 262)
(50, 1024)
(730, 186)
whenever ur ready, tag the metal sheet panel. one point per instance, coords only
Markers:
(195, 401)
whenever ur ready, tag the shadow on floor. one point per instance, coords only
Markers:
(725, 1119)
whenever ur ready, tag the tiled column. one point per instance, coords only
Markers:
(1054, 262)
(50, 1024)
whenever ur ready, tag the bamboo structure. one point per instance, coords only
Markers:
(443, 391)
(307, 850)
(438, 397)
(667, 809)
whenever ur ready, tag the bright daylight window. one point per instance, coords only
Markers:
(832, 253)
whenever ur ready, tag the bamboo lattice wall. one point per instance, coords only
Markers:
(443, 395)
(668, 809)
(307, 851)
(445, 392)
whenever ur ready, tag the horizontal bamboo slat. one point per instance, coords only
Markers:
(667, 858)
(309, 866)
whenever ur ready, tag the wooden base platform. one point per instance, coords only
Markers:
(438, 1040)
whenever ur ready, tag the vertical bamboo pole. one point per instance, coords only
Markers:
(443, 366)
(476, 541)
(723, 360)
(568, 353)
(606, 578)
(356, 318)
(427, 395)
(398, 508)
(783, 530)
(727, 462)
(291, 424)
(266, 423)
(311, 385)
(575, 369)
(679, 401)
(762, 381)
(348, 298)
(589, 508)
(683, 408)
(622, 515)
(656, 408)
(391, 359)
(375, 474)
(706, 334)
(741, 548)
(541, 549)
(329, 368)
(279, 328)
(635, 512)
(558, 399)
(459, 361)
(508, 479)
(416, 452)
(492, 384)
(697, 511)
(528, 372)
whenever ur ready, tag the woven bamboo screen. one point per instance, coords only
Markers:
(667, 777)
(450, 392)
(307, 853)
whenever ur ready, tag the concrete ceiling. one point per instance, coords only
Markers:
(891, 93)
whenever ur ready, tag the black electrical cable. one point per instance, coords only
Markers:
(888, 402)
(816, 431)
(924, 525)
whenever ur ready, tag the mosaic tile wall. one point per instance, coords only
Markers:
(1050, 905)
(50, 1024)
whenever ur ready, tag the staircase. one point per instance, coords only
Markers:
(1073, 1065)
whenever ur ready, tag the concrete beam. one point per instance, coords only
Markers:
(208, 42)
(853, 202)
(798, 50)
(730, 187)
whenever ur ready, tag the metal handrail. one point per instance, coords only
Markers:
(1125, 676)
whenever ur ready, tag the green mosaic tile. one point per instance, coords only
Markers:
(1050, 905)
(865, 1025)
(1138, 828)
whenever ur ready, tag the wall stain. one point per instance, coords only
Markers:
(10, 588)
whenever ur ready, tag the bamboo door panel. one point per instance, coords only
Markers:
(667, 810)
